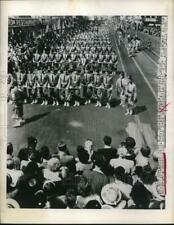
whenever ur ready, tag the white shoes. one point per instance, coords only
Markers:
(14, 116)
(131, 112)
(98, 104)
(76, 104)
(19, 123)
(108, 106)
(10, 102)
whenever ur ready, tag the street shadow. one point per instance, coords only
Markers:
(114, 102)
(35, 117)
(139, 109)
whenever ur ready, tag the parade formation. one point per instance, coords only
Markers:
(80, 70)
(82, 91)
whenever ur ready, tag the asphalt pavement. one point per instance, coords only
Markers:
(51, 124)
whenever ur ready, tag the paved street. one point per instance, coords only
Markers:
(51, 124)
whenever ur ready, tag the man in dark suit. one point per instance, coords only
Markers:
(108, 151)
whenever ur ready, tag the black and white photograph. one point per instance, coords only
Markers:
(83, 112)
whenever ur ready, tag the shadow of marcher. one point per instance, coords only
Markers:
(139, 109)
(36, 117)
(114, 102)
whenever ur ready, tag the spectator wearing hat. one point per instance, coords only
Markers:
(111, 195)
(11, 203)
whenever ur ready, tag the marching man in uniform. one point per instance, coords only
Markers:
(121, 87)
(108, 84)
(131, 94)
(46, 87)
(54, 91)
(18, 101)
(87, 86)
(98, 87)
(63, 85)
(120, 84)
(75, 86)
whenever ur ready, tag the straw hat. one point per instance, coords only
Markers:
(110, 194)
(11, 203)
(107, 206)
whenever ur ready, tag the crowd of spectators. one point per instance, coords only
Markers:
(154, 31)
(91, 178)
